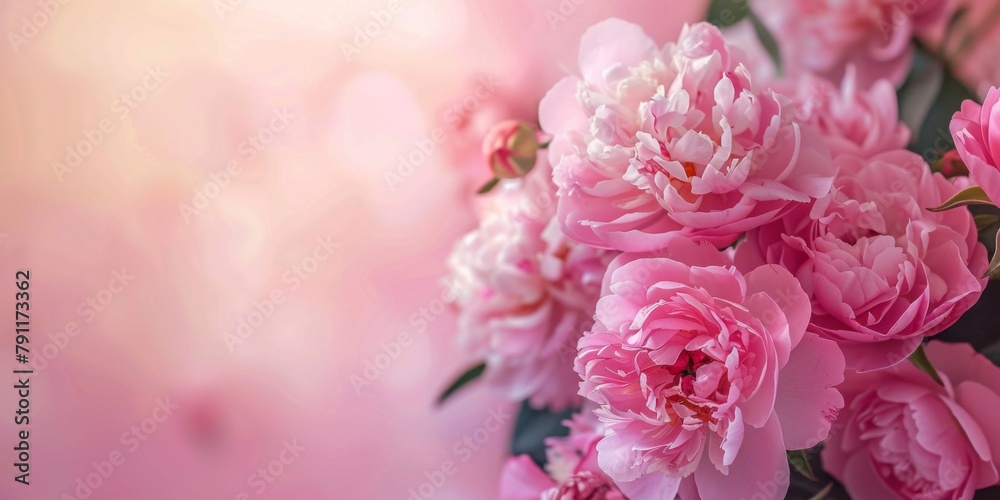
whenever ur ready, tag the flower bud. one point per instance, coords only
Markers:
(510, 148)
(952, 165)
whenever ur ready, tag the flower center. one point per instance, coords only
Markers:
(684, 402)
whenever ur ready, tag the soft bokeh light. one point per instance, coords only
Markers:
(254, 156)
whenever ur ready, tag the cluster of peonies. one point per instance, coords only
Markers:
(719, 270)
(526, 292)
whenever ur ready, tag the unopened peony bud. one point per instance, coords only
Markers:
(510, 148)
(952, 165)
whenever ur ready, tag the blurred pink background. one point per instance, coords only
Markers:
(235, 282)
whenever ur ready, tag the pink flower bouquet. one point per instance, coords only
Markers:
(722, 272)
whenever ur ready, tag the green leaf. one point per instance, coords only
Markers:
(917, 96)
(822, 494)
(969, 196)
(985, 221)
(995, 263)
(532, 428)
(919, 359)
(468, 376)
(723, 13)
(992, 352)
(488, 186)
(766, 39)
(931, 138)
(800, 461)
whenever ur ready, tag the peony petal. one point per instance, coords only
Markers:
(654, 486)
(860, 480)
(610, 43)
(787, 293)
(522, 479)
(808, 401)
(761, 467)
(560, 111)
(982, 406)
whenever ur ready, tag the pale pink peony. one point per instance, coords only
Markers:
(852, 119)
(526, 292)
(571, 471)
(901, 435)
(882, 271)
(651, 144)
(976, 130)
(827, 36)
(704, 373)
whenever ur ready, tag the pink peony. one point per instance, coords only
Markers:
(827, 36)
(702, 372)
(572, 472)
(901, 435)
(852, 119)
(976, 129)
(526, 292)
(882, 271)
(650, 144)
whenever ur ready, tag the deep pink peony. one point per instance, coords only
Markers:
(702, 372)
(852, 119)
(976, 130)
(882, 271)
(526, 292)
(901, 435)
(650, 144)
(571, 471)
(827, 36)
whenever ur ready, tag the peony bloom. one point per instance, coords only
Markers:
(704, 373)
(901, 435)
(827, 36)
(651, 144)
(526, 292)
(853, 120)
(976, 129)
(882, 271)
(571, 471)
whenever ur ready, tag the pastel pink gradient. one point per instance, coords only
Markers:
(525, 293)
(882, 272)
(976, 130)
(902, 435)
(827, 36)
(196, 278)
(651, 144)
(704, 375)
